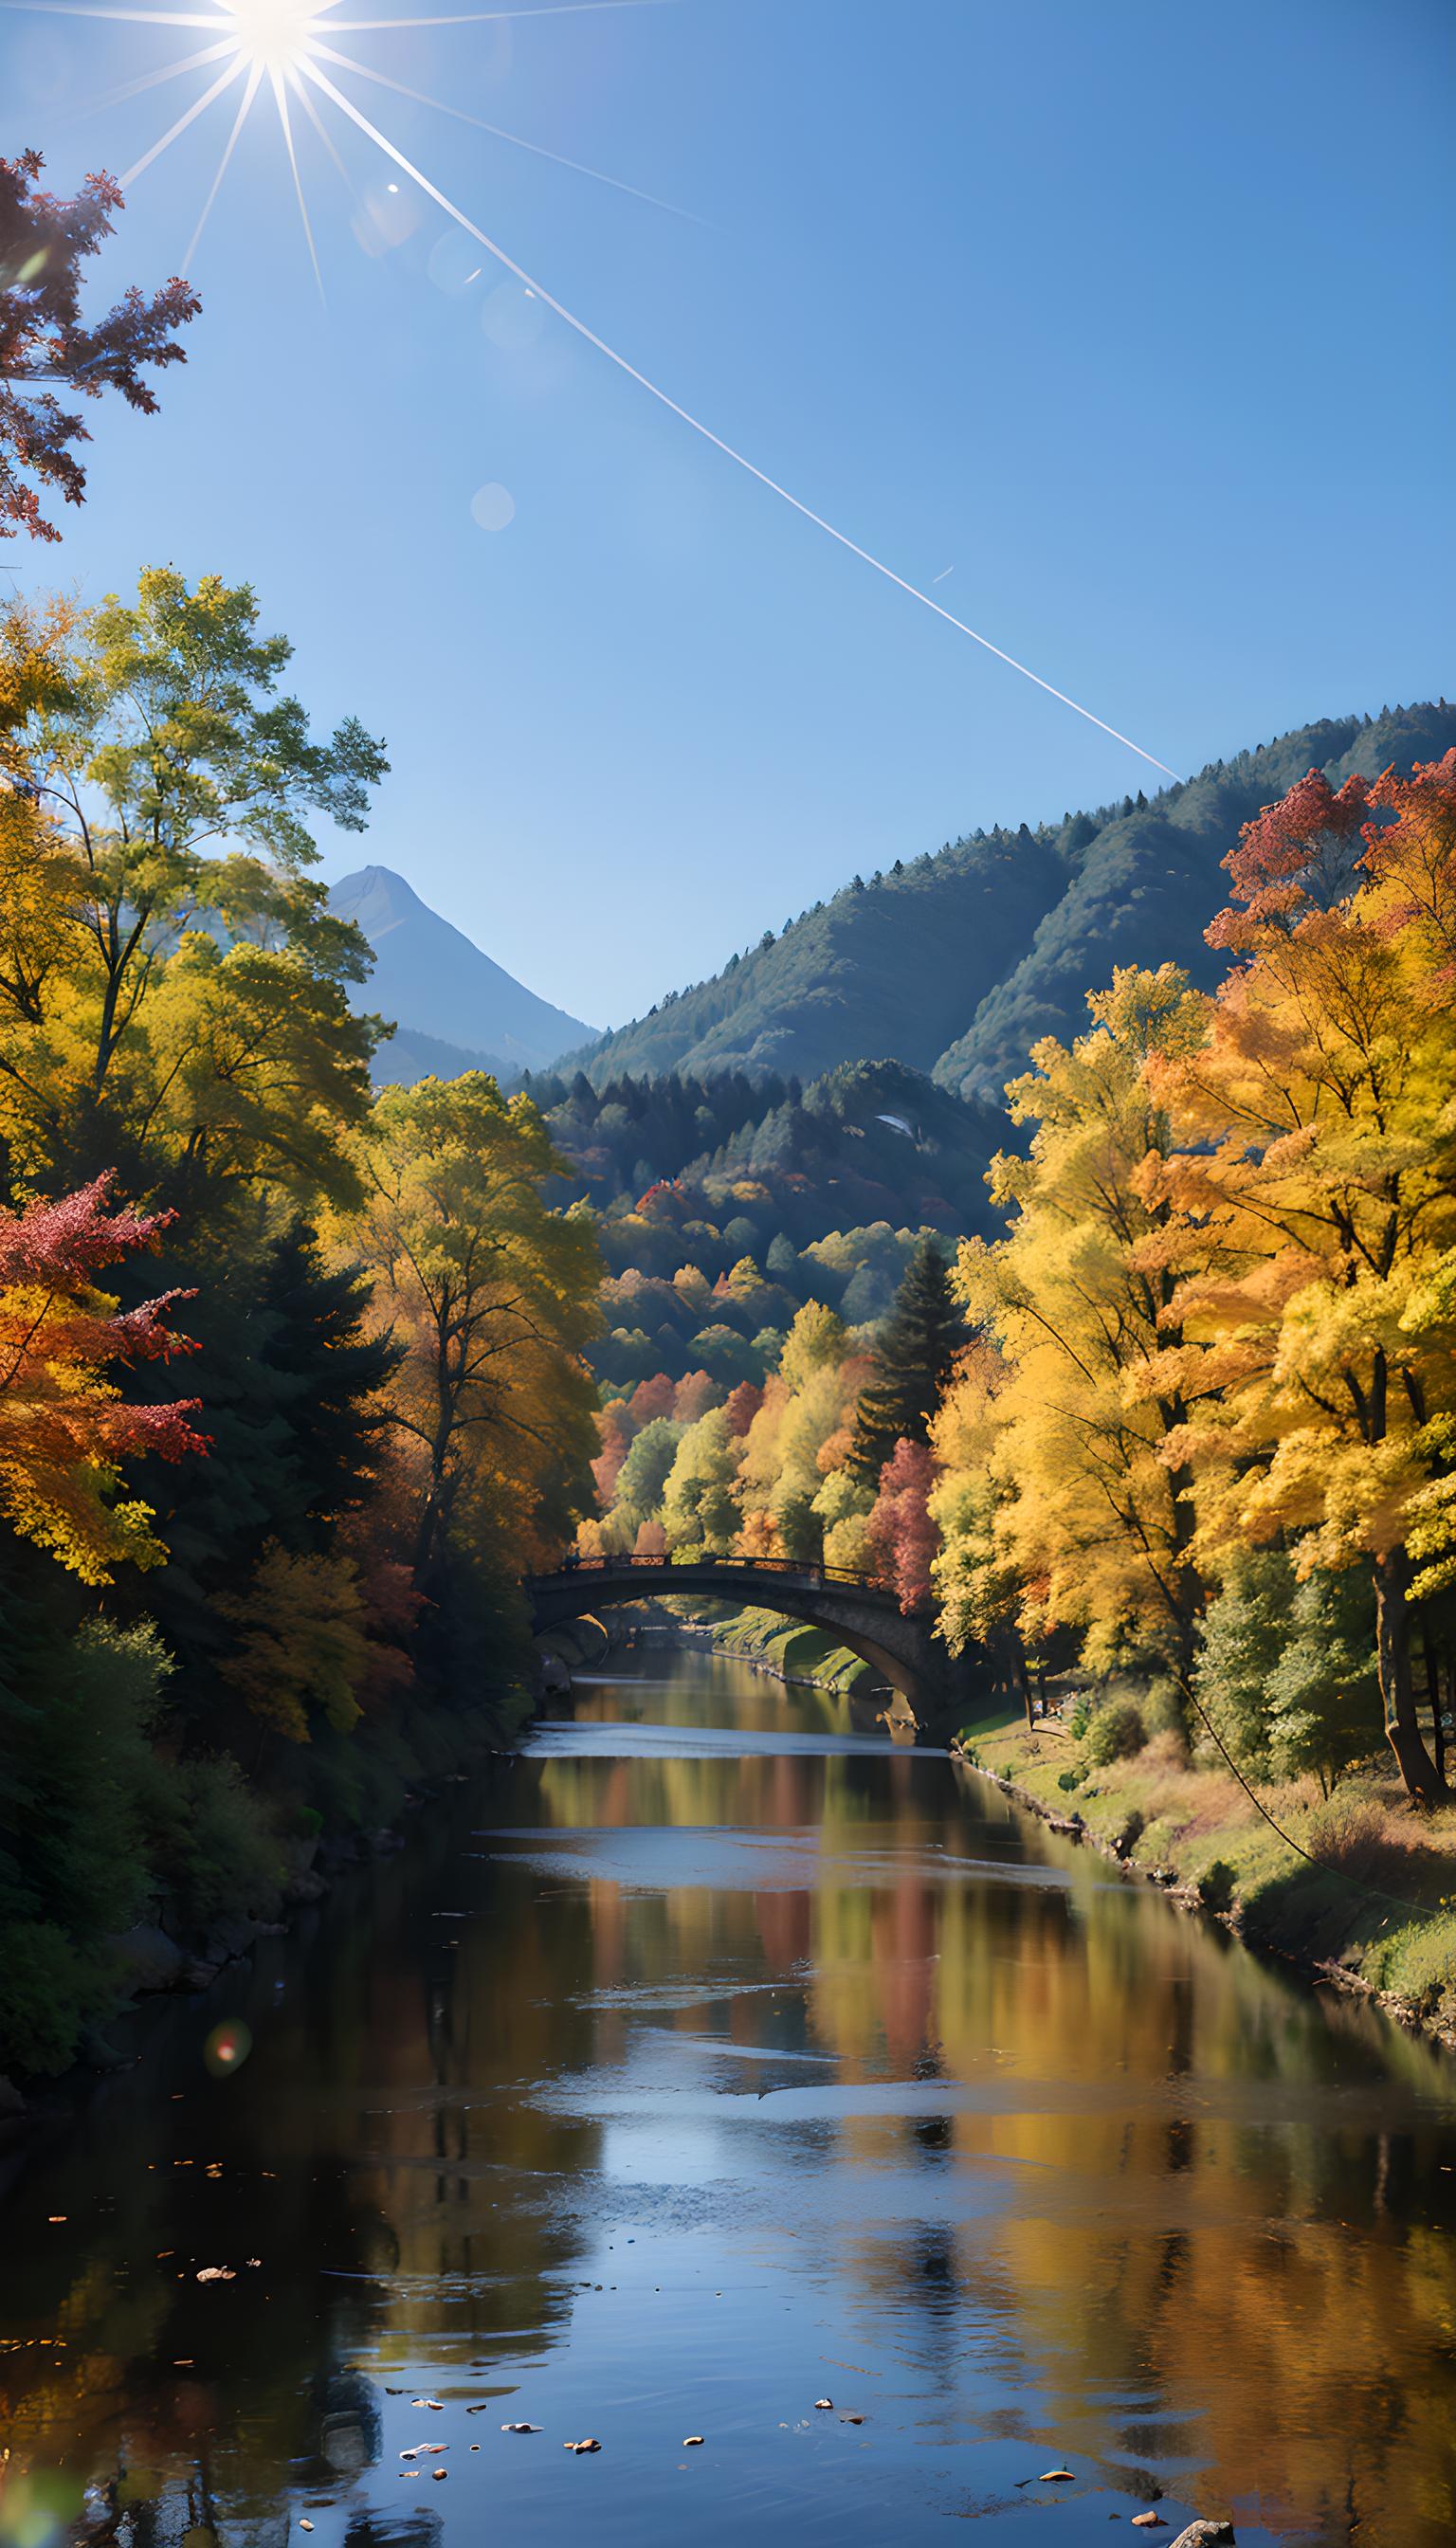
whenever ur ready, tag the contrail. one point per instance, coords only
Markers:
(941, 577)
(321, 80)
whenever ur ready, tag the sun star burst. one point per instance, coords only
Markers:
(275, 34)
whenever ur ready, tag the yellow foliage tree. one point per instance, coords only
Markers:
(1317, 1154)
(302, 1642)
(978, 1586)
(1088, 1510)
(494, 1298)
(792, 1486)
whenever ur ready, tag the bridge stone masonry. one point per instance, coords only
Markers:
(939, 1689)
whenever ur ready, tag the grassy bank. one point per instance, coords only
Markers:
(1380, 1906)
(793, 1652)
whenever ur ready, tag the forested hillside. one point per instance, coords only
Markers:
(956, 962)
(724, 1205)
(1149, 882)
(894, 964)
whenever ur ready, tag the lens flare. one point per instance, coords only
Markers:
(227, 2047)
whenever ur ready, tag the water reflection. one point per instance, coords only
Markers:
(678, 2078)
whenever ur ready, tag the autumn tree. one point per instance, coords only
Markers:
(46, 347)
(901, 1529)
(639, 1487)
(301, 1651)
(1317, 1156)
(795, 1452)
(1080, 1299)
(492, 1296)
(64, 1428)
(175, 988)
(976, 1579)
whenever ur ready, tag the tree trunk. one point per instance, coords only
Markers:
(1418, 1771)
(1433, 1693)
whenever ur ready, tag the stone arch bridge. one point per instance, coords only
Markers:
(857, 1612)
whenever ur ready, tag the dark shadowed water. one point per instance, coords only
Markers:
(712, 2060)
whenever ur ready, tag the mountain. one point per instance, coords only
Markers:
(1147, 884)
(442, 989)
(958, 961)
(895, 967)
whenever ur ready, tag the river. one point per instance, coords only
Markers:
(709, 2060)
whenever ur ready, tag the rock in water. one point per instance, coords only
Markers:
(1205, 2534)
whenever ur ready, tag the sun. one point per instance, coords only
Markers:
(273, 35)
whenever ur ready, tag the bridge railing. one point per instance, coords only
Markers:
(789, 1569)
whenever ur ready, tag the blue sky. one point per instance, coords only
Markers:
(1136, 317)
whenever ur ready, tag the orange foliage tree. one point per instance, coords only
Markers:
(64, 1428)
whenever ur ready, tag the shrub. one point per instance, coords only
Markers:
(1349, 1831)
(1116, 1732)
(1070, 1778)
(80, 1760)
(212, 1850)
(45, 1996)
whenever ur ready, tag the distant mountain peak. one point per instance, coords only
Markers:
(437, 984)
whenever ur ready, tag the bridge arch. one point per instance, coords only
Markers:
(857, 1613)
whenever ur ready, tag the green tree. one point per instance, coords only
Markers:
(1286, 1669)
(643, 1476)
(291, 1369)
(699, 1508)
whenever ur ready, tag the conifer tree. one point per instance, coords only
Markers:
(915, 1357)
